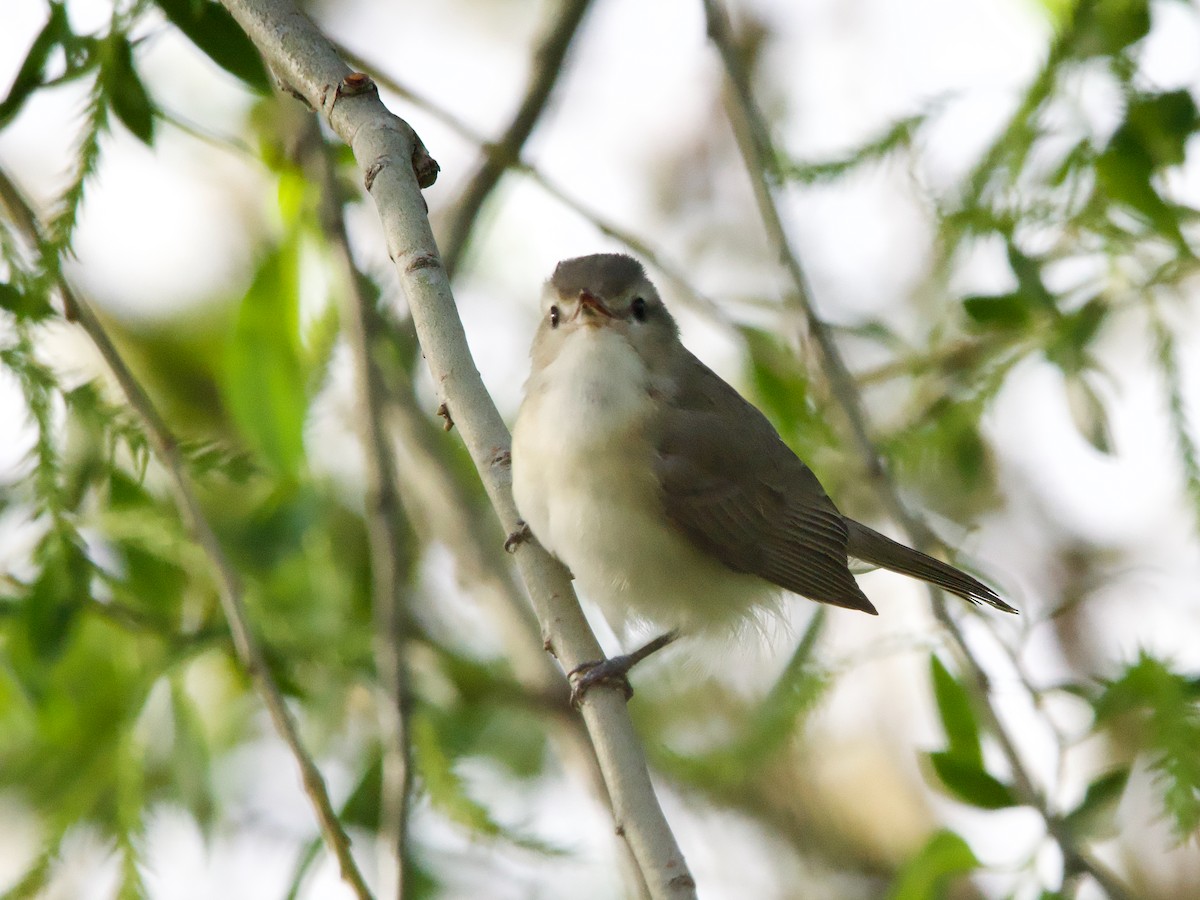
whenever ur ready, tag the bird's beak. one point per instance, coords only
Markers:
(592, 308)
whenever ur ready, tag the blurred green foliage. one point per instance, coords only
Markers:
(927, 874)
(1166, 705)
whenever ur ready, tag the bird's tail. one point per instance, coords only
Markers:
(871, 546)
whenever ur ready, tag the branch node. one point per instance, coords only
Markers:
(444, 411)
(682, 881)
(373, 171)
(425, 167)
(354, 84)
(288, 89)
(423, 261)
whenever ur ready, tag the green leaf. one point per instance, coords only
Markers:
(1072, 335)
(447, 791)
(25, 304)
(954, 707)
(1154, 135)
(1145, 684)
(57, 596)
(943, 452)
(1092, 817)
(1161, 125)
(361, 808)
(967, 780)
(1089, 414)
(69, 753)
(1166, 354)
(781, 387)
(211, 28)
(767, 730)
(796, 692)
(191, 762)
(924, 877)
(33, 883)
(1030, 285)
(489, 720)
(1107, 27)
(32, 72)
(1124, 173)
(898, 136)
(131, 886)
(125, 90)
(1167, 729)
(1003, 312)
(265, 379)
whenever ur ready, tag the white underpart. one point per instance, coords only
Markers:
(583, 482)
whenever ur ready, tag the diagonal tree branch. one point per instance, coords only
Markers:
(757, 149)
(400, 457)
(166, 450)
(388, 152)
(506, 152)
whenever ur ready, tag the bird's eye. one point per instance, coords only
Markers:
(638, 308)
(554, 317)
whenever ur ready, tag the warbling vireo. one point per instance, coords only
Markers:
(672, 499)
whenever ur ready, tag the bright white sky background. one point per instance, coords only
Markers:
(176, 226)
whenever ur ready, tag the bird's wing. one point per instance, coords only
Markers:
(740, 494)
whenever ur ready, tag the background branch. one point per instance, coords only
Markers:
(758, 153)
(383, 517)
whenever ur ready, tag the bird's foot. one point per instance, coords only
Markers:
(520, 536)
(614, 670)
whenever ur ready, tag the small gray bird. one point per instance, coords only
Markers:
(671, 498)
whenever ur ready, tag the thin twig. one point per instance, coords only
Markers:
(754, 141)
(383, 520)
(757, 149)
(504, 153)
(229, 588)
(388, 151)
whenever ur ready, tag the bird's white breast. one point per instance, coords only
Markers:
(584, 482)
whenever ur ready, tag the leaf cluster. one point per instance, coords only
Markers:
(119, 688)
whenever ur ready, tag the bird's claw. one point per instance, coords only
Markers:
(613, 671)
(518, 537)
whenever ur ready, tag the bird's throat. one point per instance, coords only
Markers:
(596, 390)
